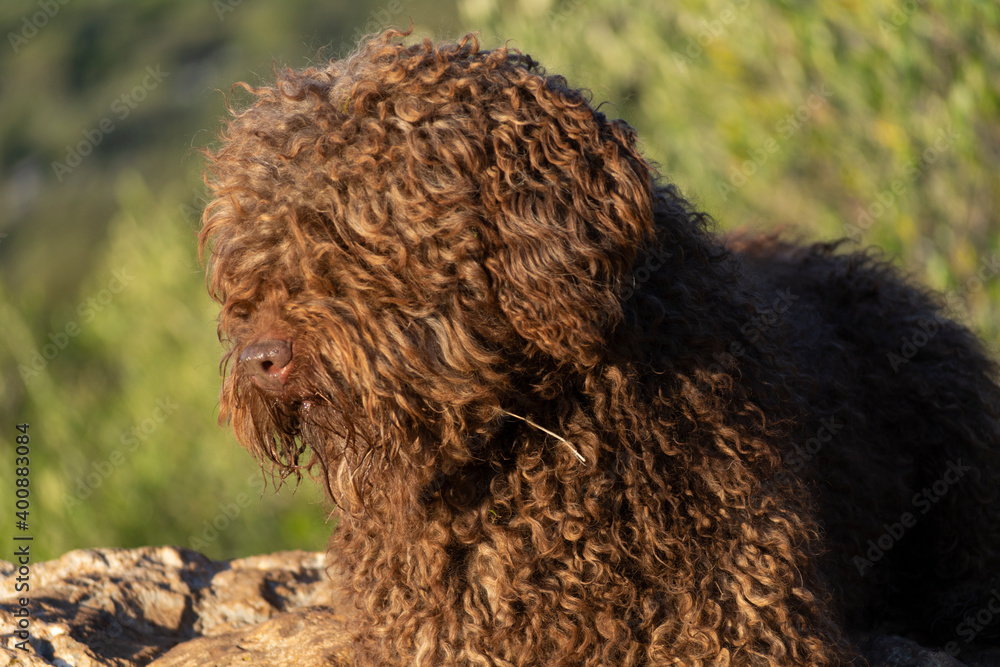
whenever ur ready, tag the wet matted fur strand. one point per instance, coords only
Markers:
(563, 421)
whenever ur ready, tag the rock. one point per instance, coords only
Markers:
(170, 607)
(290, 639)
(173, 607)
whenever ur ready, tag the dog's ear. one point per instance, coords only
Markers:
(568, 206)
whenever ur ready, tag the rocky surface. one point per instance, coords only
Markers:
(172, 607)
(169, 607)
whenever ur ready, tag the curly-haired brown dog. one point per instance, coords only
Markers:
(563, 422)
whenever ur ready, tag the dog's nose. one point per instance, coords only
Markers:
(268, 362)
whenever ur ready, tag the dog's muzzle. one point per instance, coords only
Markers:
(268, 362)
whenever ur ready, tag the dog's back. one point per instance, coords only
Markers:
(902, 446)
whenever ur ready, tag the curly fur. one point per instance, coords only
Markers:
(563, 422)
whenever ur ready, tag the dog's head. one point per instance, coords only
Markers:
(399, 238)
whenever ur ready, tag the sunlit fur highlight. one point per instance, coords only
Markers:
(446, 235)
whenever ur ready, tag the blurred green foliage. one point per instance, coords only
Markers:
(876, 120)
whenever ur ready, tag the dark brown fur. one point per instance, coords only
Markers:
(430, 257)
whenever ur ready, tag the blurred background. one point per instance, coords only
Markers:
(876, 120)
